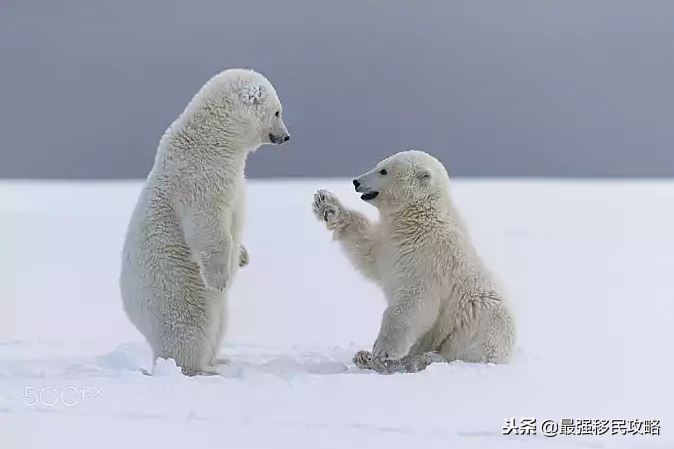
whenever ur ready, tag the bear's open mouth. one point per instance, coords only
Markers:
(369, 196)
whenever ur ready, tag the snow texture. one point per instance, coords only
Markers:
(587, 267)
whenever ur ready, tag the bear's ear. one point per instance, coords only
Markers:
(252, 94)
(424, 176)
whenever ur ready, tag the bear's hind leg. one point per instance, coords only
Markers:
(191, 357)
(189, 346)
(489, 339)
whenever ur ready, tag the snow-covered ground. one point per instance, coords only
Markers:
(588, 267)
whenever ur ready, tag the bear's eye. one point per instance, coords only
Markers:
(277, 113)
(383, 172)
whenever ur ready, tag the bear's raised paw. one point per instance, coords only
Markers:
(326, 206)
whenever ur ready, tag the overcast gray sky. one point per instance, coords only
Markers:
(493, 88)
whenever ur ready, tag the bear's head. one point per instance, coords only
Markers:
(260, 107)
(405, 178)
(247, 104)
(261, 104)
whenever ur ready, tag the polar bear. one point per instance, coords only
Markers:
(183, 243)
(443, 304)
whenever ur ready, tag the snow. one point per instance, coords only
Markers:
(587, 266)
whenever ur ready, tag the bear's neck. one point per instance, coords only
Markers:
(411, 213)
(215, 152)
(421, 217)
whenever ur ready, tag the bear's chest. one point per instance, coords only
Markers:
(401, 264)
(405, 264)
(230, 201)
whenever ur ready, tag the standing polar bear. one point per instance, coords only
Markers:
(183, 244)
(443, 304)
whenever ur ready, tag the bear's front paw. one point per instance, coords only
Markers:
(244, 259)
(386, 349)
(215, 274)
(367, 361)
(363, 360)
(326, 206)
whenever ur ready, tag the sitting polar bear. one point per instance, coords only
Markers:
(183, 244)
(443, 304)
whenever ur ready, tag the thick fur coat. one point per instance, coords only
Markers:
(442, 301)
(183, 244)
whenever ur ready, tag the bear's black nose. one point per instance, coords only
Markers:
(356, 183)
(287, 138)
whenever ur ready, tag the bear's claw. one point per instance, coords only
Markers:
(244, 258)
(325, 207)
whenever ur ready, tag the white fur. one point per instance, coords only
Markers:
(183, 244)
(441, 297)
